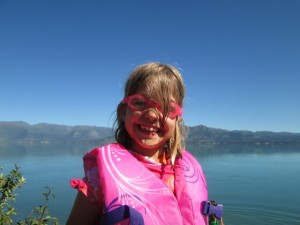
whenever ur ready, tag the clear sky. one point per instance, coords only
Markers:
(66, 61)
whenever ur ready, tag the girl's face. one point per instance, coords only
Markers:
(146, 130)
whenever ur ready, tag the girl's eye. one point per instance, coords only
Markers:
(172, 108)
(138, 103)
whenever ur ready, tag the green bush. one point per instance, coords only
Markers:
(38, 216)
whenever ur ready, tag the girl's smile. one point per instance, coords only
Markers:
(147, 129)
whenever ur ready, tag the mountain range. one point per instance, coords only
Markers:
(19, 131)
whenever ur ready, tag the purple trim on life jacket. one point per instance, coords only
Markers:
(122, 213)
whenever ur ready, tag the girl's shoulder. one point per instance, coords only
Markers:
(187, 154)
(190, 159)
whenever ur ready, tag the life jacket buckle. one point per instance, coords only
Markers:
(212, 208)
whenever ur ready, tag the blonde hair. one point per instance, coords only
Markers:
(158, 82)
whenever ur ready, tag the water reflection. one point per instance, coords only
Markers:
(212, 150)
(38, 149)
(8, 149)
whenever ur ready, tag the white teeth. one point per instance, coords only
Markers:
(150, 129)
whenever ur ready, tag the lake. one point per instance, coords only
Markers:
(256, 184)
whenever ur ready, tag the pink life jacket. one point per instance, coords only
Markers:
(126, 181)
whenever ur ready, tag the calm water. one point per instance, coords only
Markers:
(256, 184)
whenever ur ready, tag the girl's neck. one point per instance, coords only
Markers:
(154, 154)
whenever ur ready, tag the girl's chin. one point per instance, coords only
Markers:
(148, 146)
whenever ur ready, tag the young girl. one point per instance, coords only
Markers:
(146, 177)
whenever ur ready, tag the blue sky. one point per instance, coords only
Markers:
(66, 62)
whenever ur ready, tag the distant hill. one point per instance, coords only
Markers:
(43, 132)
(196, 135)
(200, 135)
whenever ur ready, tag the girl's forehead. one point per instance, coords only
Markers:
(155, 97)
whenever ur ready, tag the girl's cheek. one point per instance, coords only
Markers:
(132, 115)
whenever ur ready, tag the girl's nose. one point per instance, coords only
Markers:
(152, 114)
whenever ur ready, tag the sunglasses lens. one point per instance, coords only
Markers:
(174, 110)
(138, 103)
